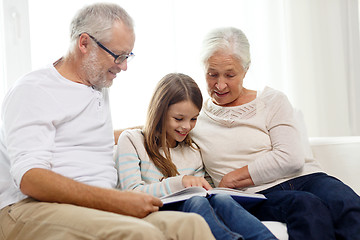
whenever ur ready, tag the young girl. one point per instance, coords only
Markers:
(162, 159)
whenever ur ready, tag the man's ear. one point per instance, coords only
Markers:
(84, 43)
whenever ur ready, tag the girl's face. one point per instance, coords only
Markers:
(180, 120)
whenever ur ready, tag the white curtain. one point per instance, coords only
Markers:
(309, 49)
(353, 65)
(323, 55)
(323, 60)
(2, 55)
(15, 41)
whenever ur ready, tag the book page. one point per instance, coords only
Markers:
(184, 194)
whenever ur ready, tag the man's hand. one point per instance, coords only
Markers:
(238, 178)
(191, 181)
(137, 204)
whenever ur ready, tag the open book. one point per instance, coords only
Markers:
(186, 193)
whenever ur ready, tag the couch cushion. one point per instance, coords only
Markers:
(278, 229)
(339, 157)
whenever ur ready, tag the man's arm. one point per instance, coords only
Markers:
(45, 185)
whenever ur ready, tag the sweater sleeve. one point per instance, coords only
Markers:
(137, 172)
(286, 156)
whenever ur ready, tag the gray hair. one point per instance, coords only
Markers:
(228, 39)
(97, 20)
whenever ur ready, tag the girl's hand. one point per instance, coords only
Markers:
(192, 181)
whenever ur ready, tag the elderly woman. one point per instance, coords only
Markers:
(250, 140)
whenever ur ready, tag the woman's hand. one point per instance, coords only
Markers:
(238, 178)
(191, 181)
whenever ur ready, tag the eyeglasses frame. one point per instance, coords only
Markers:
(115, 56)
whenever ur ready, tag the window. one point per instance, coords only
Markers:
(168, 39)
(14, 40)
(299, 47)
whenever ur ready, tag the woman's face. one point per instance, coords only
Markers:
(180, 120)
(224, 78)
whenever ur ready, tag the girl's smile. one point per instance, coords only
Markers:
(180, 120)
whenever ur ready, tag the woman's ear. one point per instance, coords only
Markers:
(246, 70)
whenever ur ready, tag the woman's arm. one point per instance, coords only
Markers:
(238, 178)
(286, 155)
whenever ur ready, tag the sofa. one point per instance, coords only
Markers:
(339, 157)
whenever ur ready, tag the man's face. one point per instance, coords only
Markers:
(99, 65)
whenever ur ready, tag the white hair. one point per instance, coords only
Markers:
(97, 20)
(228, 39)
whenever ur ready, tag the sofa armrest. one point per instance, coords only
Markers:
(339, 157)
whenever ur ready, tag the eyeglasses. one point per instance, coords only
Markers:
(117, 58)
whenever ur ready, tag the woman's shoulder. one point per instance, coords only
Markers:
(275, 101)
(269, 94)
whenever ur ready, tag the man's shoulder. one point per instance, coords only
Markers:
(34, 75)
(34, 81)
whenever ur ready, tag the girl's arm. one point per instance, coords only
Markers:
(136, 170)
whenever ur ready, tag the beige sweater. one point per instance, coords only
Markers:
(263, 134)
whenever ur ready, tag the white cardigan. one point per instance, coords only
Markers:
(262, 134)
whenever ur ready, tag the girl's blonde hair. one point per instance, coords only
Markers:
(173, 88)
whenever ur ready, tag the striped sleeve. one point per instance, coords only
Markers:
(137, 172)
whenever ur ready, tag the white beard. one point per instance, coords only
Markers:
(94, 72)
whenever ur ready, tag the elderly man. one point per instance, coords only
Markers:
(57, 174)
